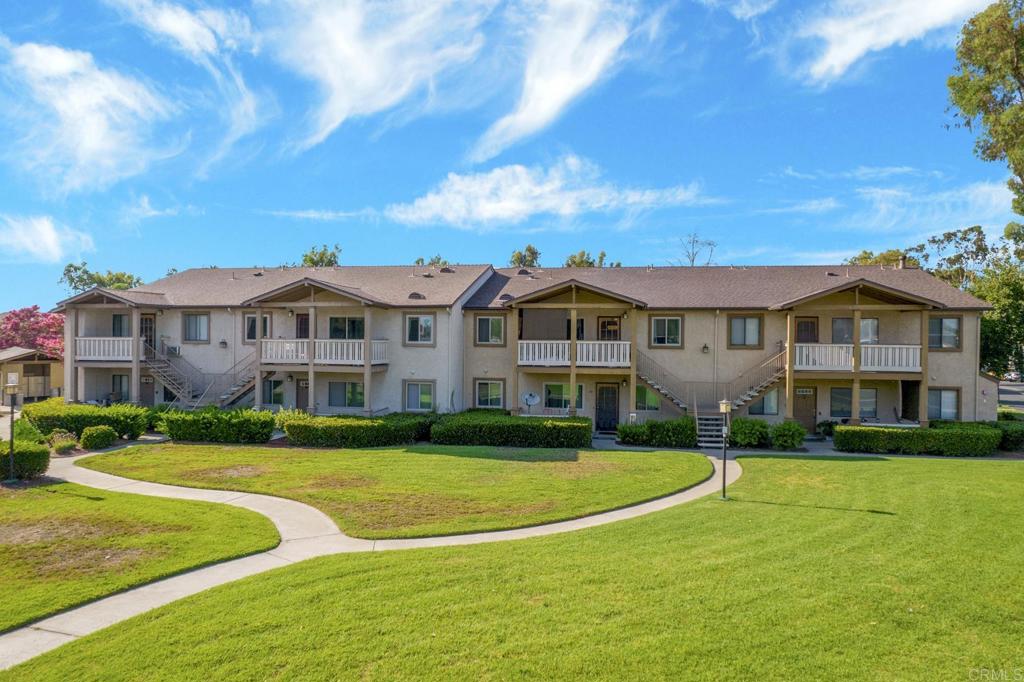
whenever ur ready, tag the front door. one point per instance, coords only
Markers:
(807, 330)
(607, 416)
(302, 326)
(302, 394)
(147, 330)
(805, 407)
(146, 391)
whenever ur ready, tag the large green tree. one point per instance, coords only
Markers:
(435, 262)
(1001, 284)
(321, 257)
(583, 259)
(78, 277)
(527, 258)
(887, 257)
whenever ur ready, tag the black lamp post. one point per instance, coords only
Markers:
(11, 389)
(725, 407)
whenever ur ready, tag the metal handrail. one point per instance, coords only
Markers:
(757, 375)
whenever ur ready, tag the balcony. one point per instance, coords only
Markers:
(838, 357)
(103, 348)
(338, 352)
(588, 353)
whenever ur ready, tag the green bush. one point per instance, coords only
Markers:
(23, 430)
(213, 425)
(155, 416)
(98, 437)
(356, 432)
(483, 427)
(748, 433)
(62, 447)
(286, 415)
(787, 436)
(1009, 414)
(129, 421)
(30, 460)
(951, 440)
(58, 435)
(669, 433)
(1013, 435)
(827, 428)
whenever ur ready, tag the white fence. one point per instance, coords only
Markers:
(873, 357)
(327, 351)
(103, 348)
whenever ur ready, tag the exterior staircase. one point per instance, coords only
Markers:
(709, 430)
(756, 380)
(195, 388)
(180, 382)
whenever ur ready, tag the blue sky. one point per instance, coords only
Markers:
(147, 134)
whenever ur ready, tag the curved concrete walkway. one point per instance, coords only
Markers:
(305, 533)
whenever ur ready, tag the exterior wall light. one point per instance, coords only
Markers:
(705, 349)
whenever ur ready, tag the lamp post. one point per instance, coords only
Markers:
(725, 407)
(11, 389)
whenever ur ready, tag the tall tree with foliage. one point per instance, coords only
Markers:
(694, 247)
(435, 262)
(583, 259)
(78, 277)
(959, 256)
(32, 328)
(1001, 284)
(527, 258)
(887, 257)
(321, 257)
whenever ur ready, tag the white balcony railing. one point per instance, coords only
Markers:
(602, 353)
(327, 351)
(873, 357)
(544, 353)
(103, 348)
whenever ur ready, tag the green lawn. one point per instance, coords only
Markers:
(422, 490)
(860, 569)
(64, 544)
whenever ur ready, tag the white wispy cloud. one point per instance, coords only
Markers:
(859, 173)
(809, 206)
(848, 30)
(321, 215)
(208, 37)
(37, 239)
(571, 44)
(370, 56)
(142, 209)
(743, 10)
(84, 125)
(910, 211)
(511, 194)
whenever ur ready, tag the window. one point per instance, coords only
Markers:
(419, 330)
(197, 327)
(250, 327)
(490, 393)
(302, 325)
(609, 329)
(943, 403)
(944, 333)
(346, 328)
(169, 396)
(666, 331)
(119, 388)
(273, 392)
(556, 396)
(842, 402)
(807, 330)
(745, 331)
(842, 330)
(579, 329)
(490, 331)
(647, 400)
(419, 396)
(766, 404)
(345, 393)
(119, 325)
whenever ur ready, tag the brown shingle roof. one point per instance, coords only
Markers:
(755, 287)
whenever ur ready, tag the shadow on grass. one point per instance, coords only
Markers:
(820, 458)
(506, 454)
(820, 506)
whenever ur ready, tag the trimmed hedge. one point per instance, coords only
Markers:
(213, 425)
(23, 430)
(1013, 435)
(30, 460)
(482, 427)
(1009, 414)
(787, 436)
(827, 428)
(129, 421)
(357, 432)
(669, 433)
(748, 433)
(98, 437)
(952, 440)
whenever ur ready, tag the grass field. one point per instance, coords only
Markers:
(64, 544)
(818, 568)
(422, 490)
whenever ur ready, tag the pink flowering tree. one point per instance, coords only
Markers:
(32, 328)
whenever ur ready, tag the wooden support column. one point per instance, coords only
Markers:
(311, 387)
(368, 362)
(136, 378)
(572, 355)
(855, 391)
(790, 362)
(513, 342)
(70, 330)
(80, 384)
(922, 398)
(257, 386)
(631, 398)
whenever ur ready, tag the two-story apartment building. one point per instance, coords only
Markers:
(809, 343)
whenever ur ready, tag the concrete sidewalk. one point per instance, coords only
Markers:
(305, 533)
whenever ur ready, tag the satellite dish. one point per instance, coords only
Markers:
(530, 399)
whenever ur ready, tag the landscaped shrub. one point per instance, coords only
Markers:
(23, 430)
(213, 425)
(787, 436)
(498, 429)
(62, 447)
(155, 416)
(748, 433)
(283, 416)
(827, 428)
(357, 432)
(30, 460)
(1011, 440)
(670, 433)
(1009, 414)
(98, 437)
(128, 421)
(976, 440)
(62, 441)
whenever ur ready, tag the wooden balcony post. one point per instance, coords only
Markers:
(855, 401)
(257, 385)
(790, 361)
(70, 343)
(368, 361)
(922, 398)
(311, 387)
(513, 343)
(136, 376)
(572, 355)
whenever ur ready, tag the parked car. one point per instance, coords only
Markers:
(1011, 376)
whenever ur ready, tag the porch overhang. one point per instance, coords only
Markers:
(896, 296)
(568, 285)
(279, 295)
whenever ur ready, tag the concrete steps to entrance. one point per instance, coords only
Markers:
(709, 430)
